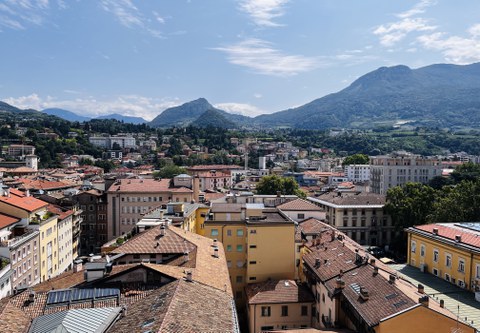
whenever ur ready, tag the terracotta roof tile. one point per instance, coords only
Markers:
(146, 186)
(312, 226)
(12, 319)
(450, 230)
(299, 205)
(277, 291)
(6, 220)
(349, 199)
(384, 299)
(19, 199)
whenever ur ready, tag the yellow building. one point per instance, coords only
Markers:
(48, 250)
(450, 251)
(259, 243)
(278, 304)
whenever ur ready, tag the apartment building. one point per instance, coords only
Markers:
(128, 199)
(400, 168)
(94, 229)
(300, 209)
(110, 141)
(450, 251)
(20, 150)
(357, 293)
(64, 237)
(214, 180)
(357, 172)
(259, 243)
(360, 215)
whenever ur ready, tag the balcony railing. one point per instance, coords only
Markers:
(19, 239)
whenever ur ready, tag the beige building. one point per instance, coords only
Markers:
(64, 237)
(359, 215)
(400, 168)
(128, 199)
(278, 305)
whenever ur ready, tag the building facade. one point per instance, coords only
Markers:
(400, 168)
(357, 172)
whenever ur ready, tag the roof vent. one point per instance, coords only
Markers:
(189, 276)
(372, 262)
(435, 231)
(162, 230)
(185, 256)
(215, 252)
(458, 238)
(375, 271)
(317, 262)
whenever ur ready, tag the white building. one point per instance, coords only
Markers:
(108, 142)
(357, 172)
(399, 168)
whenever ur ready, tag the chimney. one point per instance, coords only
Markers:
(391, 279)
(442, 303)
(339, 283)
(162, 230)
(424, 300)
(27, 193)
(375, 271)
(358, 257)
(215, 242)
(196, 188)
(279, 194)
(215, 252)
(332, 236)
(458, 238)
(185, 256)
(435, 231)
(189, 276)
(364, 293)
(325, 261)
(317, 262)
(421, 288)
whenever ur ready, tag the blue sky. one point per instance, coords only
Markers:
(245, 56)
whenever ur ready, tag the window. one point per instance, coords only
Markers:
(435, 255)
(240, 263)
(422, 250)
(252, 278)
(229, 263)
(478, 271)
(253, 246)
(448, 260)
(266, 311)
(240, 232)
(304, 310)
(284, 310)
(240, 248)
(239, 279)
(229, 232)
(301, 216)
(252, 262)
(214, 232)
(229, 248)
(461, 266)
(413, 246)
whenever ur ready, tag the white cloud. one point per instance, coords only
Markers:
(131, 17)
(241, 108)
(455, 49)
(419, 8)
(257, 95)
(392, 33)
(263, 12)
(20, 14)
(128, 105)
(259, 56)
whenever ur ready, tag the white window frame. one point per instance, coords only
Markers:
(448, 260)
(413, 246)
(461, 265)
(422, 250)
(436, 255)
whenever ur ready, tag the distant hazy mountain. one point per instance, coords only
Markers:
(65, 114)
(125, 119)
(7, 107)
(436, 95)
(188, 113)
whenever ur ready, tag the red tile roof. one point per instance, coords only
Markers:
(299, 205)
(213, 167)
(274, 291)
(62, 214)
(42, 184)
(146, 186)
(6, 220)
(19, 199)
(450, 230)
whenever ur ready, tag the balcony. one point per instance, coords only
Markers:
(13, 242)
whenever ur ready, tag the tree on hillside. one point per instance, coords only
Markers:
(468, 171)
(169, 171)
(275, 184)
(356, 159)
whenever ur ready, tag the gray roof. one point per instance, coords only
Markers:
(94, 320)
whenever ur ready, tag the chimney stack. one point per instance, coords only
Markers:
(375, 271)
(317, 262)
(421, 288)
(162, 230)
(458, 238)
(435, 231)
(189, 276)
(215, 252)
(364, 293)
(391, 279)
(339, 283)
(442, 303)
(424, 301)
(372, 262)
(185, 256)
